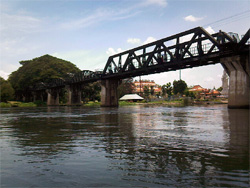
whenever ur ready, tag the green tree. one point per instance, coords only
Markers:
(146, 92)
(167, 89)
(126, 87)
(179, 87)
(220, 89)
(189, 93)
(152, 91)
(42, 69)
(91, 92)
(6, 90)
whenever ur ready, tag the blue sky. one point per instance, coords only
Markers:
(87, 32)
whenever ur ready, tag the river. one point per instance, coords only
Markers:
(132, 146)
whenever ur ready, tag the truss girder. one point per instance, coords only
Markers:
(198, 46)
(192, 48)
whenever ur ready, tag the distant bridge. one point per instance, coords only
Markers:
(188, 49)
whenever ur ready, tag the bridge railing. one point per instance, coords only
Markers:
(174, 49)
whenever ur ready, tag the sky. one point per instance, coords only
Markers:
(87, 32)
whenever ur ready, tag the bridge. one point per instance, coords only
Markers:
(188, 49)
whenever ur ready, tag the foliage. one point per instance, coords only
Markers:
(146, 92)
(126, 87)
(126, 103)
(167, 89)
(40, 103)
(17, 104)
(91, 92)
(189, 94)
(29, 104)
(220, 89)
(4, 105)
(42, 69)
(179, 87)
(6, 90)
(92, 104)
(152, 91)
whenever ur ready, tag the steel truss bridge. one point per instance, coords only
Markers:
(192, 48)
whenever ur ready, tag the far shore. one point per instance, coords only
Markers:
(121, 103)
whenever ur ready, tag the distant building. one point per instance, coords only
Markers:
(214, 93)
(139, 86)
(131, 97)
(198, 88)
(204, 93)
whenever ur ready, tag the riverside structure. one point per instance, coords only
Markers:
(168, 54)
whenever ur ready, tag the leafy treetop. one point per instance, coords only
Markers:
(179, 87)
(41, 69)
(6, 90)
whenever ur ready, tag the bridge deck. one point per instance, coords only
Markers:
(192, 48)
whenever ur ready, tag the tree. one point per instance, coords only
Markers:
(42, 69)
(6, 90)
(126, 87)
(146, 92)
(167, 89)
(179, 87)
(220, 89)
(152, 91)
(189, 94)
(91, 92)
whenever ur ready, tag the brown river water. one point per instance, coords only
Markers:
(133, 146)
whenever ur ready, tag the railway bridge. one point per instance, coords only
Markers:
(188, 49)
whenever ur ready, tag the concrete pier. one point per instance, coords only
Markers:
(237, 67)
(109, 94)
(74, 94)
(53, 97)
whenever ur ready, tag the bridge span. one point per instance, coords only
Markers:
(188, 49)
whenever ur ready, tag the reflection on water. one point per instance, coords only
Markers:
(148, 146)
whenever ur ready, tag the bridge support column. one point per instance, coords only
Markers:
(74, 94)
(109, 94)
(237, 67)
(53, 97)
(34, 94)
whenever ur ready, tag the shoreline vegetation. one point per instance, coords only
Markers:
(180, 102)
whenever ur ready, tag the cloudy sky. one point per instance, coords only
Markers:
(87, 32)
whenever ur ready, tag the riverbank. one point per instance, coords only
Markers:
(21, 104)
(181, 102)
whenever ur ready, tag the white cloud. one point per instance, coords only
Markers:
(191, 18)
(4, 75)
(112, 51)
(98, 16)
(19, 23)
(210, 30)
(189, 37)
(134, 41)
(106, 14)
(86, 21)
(209, 79)
(137, 41)
(149, 40)
(162, 3)
(219, 75)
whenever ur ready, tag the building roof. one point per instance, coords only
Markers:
(197, 88)
(215, 92)
(131, 97)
